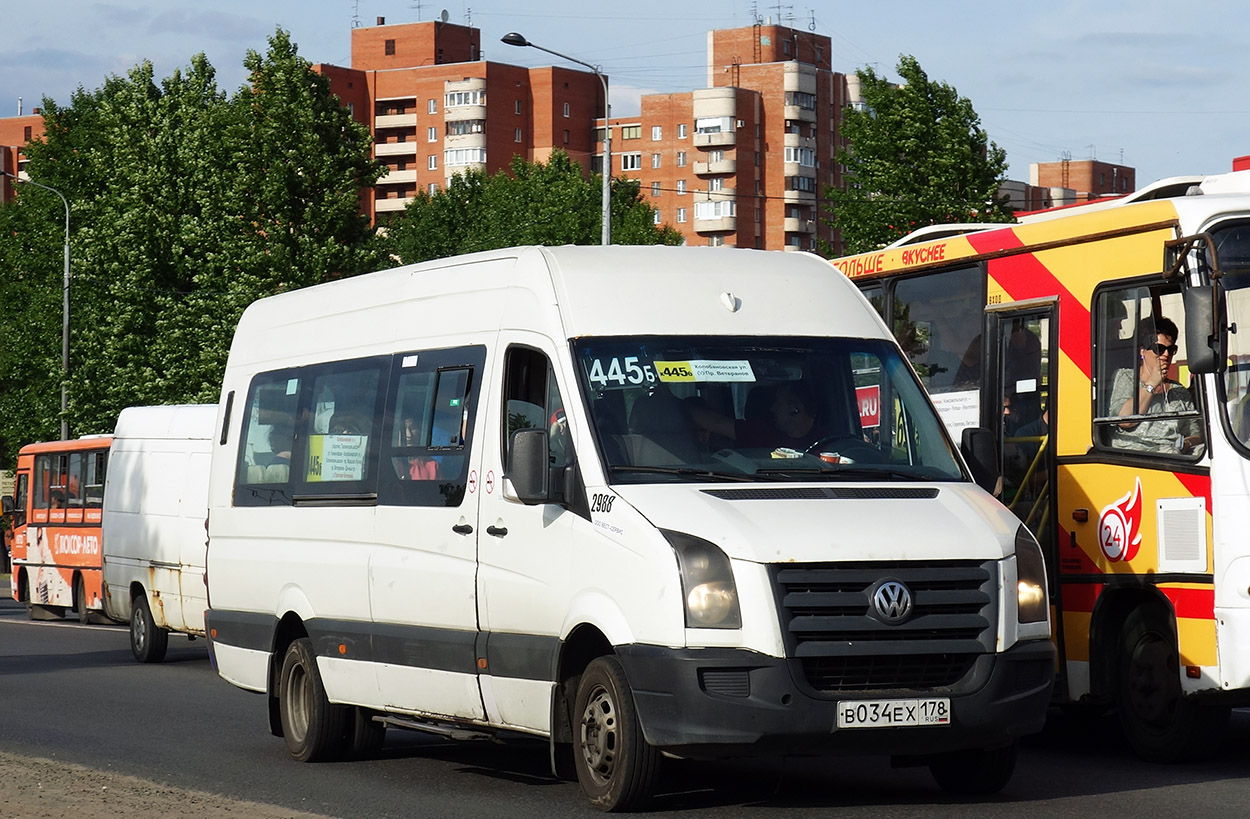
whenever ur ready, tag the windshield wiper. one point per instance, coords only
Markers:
(882, 472)
(684, 471)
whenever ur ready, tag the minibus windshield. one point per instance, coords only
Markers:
(707, 408)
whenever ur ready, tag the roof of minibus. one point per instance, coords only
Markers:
(72, 445)
(167, 422)
(566, 291)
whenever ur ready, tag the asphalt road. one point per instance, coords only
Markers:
(74, 693)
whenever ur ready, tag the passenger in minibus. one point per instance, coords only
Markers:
(792, 420)
(1150, 391)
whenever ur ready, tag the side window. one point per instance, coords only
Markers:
(430, 427)
(73, 481)
(1144, 398)
(19, 500)
(43, 483)
(97, 465)
(341, 427)
(532, 399)
(264, 468)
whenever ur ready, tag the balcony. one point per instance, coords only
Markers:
(460, 113)
(797, 114)
(452, 141)
(394, 177)
(389, 205)
(395, 121)
(725, 224)
(723, 166)
(793, 225)
(718, 139)
(395, 149)
(799, 197)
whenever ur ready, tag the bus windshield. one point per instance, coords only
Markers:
(687, 408)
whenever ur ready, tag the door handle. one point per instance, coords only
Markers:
(462, 529)
(497, 531)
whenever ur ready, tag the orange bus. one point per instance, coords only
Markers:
(55, 515)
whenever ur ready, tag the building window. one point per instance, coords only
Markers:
(716, 241)
(801, 99)
(801, 183)
(681, 187)
(432, 107)
(517, 107)
(566, 110)
(464, 156)
(655, 189)
(655, 217)
(681, 216)
(715, 156)
(655, 160)
(803, 156)
(713, 125)
(681, 131)
(714, 210)
(716, 183)
(785, 47)
(681, 159)
(390, 48)
(459, 99)
(566, 136)
(631, 132)
(516, 135)
(431, 162)
(631, 162)
(465, 126)
(657, 133)
(431, 134)
(432, 188)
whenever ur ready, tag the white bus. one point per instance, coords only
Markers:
(634, 500)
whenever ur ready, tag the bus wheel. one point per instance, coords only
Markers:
(615, 766)
(363, 736)
(975, 772)
(147, 642)
(80, 600)
(1160, 724)
(314, 729)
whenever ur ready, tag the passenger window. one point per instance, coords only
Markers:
(268, 438)
(1146, 401)
(97, 463)
(340, 426)
(533, 400)
(930, 319)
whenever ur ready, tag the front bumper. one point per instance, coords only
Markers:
(734, 702)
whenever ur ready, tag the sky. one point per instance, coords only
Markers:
(1159, 86)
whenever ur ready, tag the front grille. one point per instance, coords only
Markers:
(835, 636)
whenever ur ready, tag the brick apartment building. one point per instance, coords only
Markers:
(1082, 180)
(15, 132)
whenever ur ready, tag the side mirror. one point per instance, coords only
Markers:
(528, 466)
(1201, 345)
(979, 450)
(7, 505)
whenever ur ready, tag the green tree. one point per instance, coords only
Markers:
(531, 203)
(917, 156)
(186, 206)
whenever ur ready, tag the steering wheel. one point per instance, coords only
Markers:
(854, 448)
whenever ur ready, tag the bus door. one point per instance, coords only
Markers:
(1023, 400)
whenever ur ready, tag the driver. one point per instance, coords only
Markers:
(791, 421)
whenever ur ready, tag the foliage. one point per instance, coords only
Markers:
(532, 203)
(917, 156)
(186, 205)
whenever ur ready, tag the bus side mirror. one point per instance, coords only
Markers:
(7, 505)
(1201, 343)
(528, 467)
(979, 450)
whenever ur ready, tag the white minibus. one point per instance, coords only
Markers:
(636, 501)
(155, 502)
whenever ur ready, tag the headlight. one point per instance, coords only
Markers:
(1033, 606)
(707, 583)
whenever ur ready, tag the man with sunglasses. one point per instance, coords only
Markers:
(1149, 391)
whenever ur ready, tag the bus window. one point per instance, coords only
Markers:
(73, 480)
(93, 496)
(1144, 402)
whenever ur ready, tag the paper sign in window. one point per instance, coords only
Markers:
(336, 457)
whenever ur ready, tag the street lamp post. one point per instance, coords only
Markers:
(515, 39)
(64, 305)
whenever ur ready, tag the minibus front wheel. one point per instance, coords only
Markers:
(616, 767)
(314, 729)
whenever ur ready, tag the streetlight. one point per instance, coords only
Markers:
(515, 39)
(64, 306)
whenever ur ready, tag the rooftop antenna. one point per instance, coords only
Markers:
(417, 5)
(356, 14)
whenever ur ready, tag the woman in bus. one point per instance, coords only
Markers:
(1149, 391)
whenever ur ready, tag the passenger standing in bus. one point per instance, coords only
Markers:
(1150, 391)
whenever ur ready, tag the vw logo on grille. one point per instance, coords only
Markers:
(892, 602)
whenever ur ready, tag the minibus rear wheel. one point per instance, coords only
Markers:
(147, 642)
(80, 600)
(615, 766)
(314, 729)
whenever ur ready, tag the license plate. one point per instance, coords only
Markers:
(894, 713)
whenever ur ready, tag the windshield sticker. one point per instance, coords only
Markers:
(703, 370)
(619, 372)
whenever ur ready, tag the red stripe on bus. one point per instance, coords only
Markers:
(1080, 596)
(1197, 604)
(1024, 277)
(1197, 485)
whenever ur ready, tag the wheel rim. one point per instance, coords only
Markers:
(139, 630)
(600, 735)
(297, 696)
(1153, 687)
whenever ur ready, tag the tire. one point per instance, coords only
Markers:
(314, 730)
(1158, 722)
(616, 767)
(977, 772)
(362, 736)
(80, 601)
(147, 642)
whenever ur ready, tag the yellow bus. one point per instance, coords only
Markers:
(1101, 345)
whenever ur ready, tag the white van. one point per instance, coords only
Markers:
(634, 500)
(155, 502)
